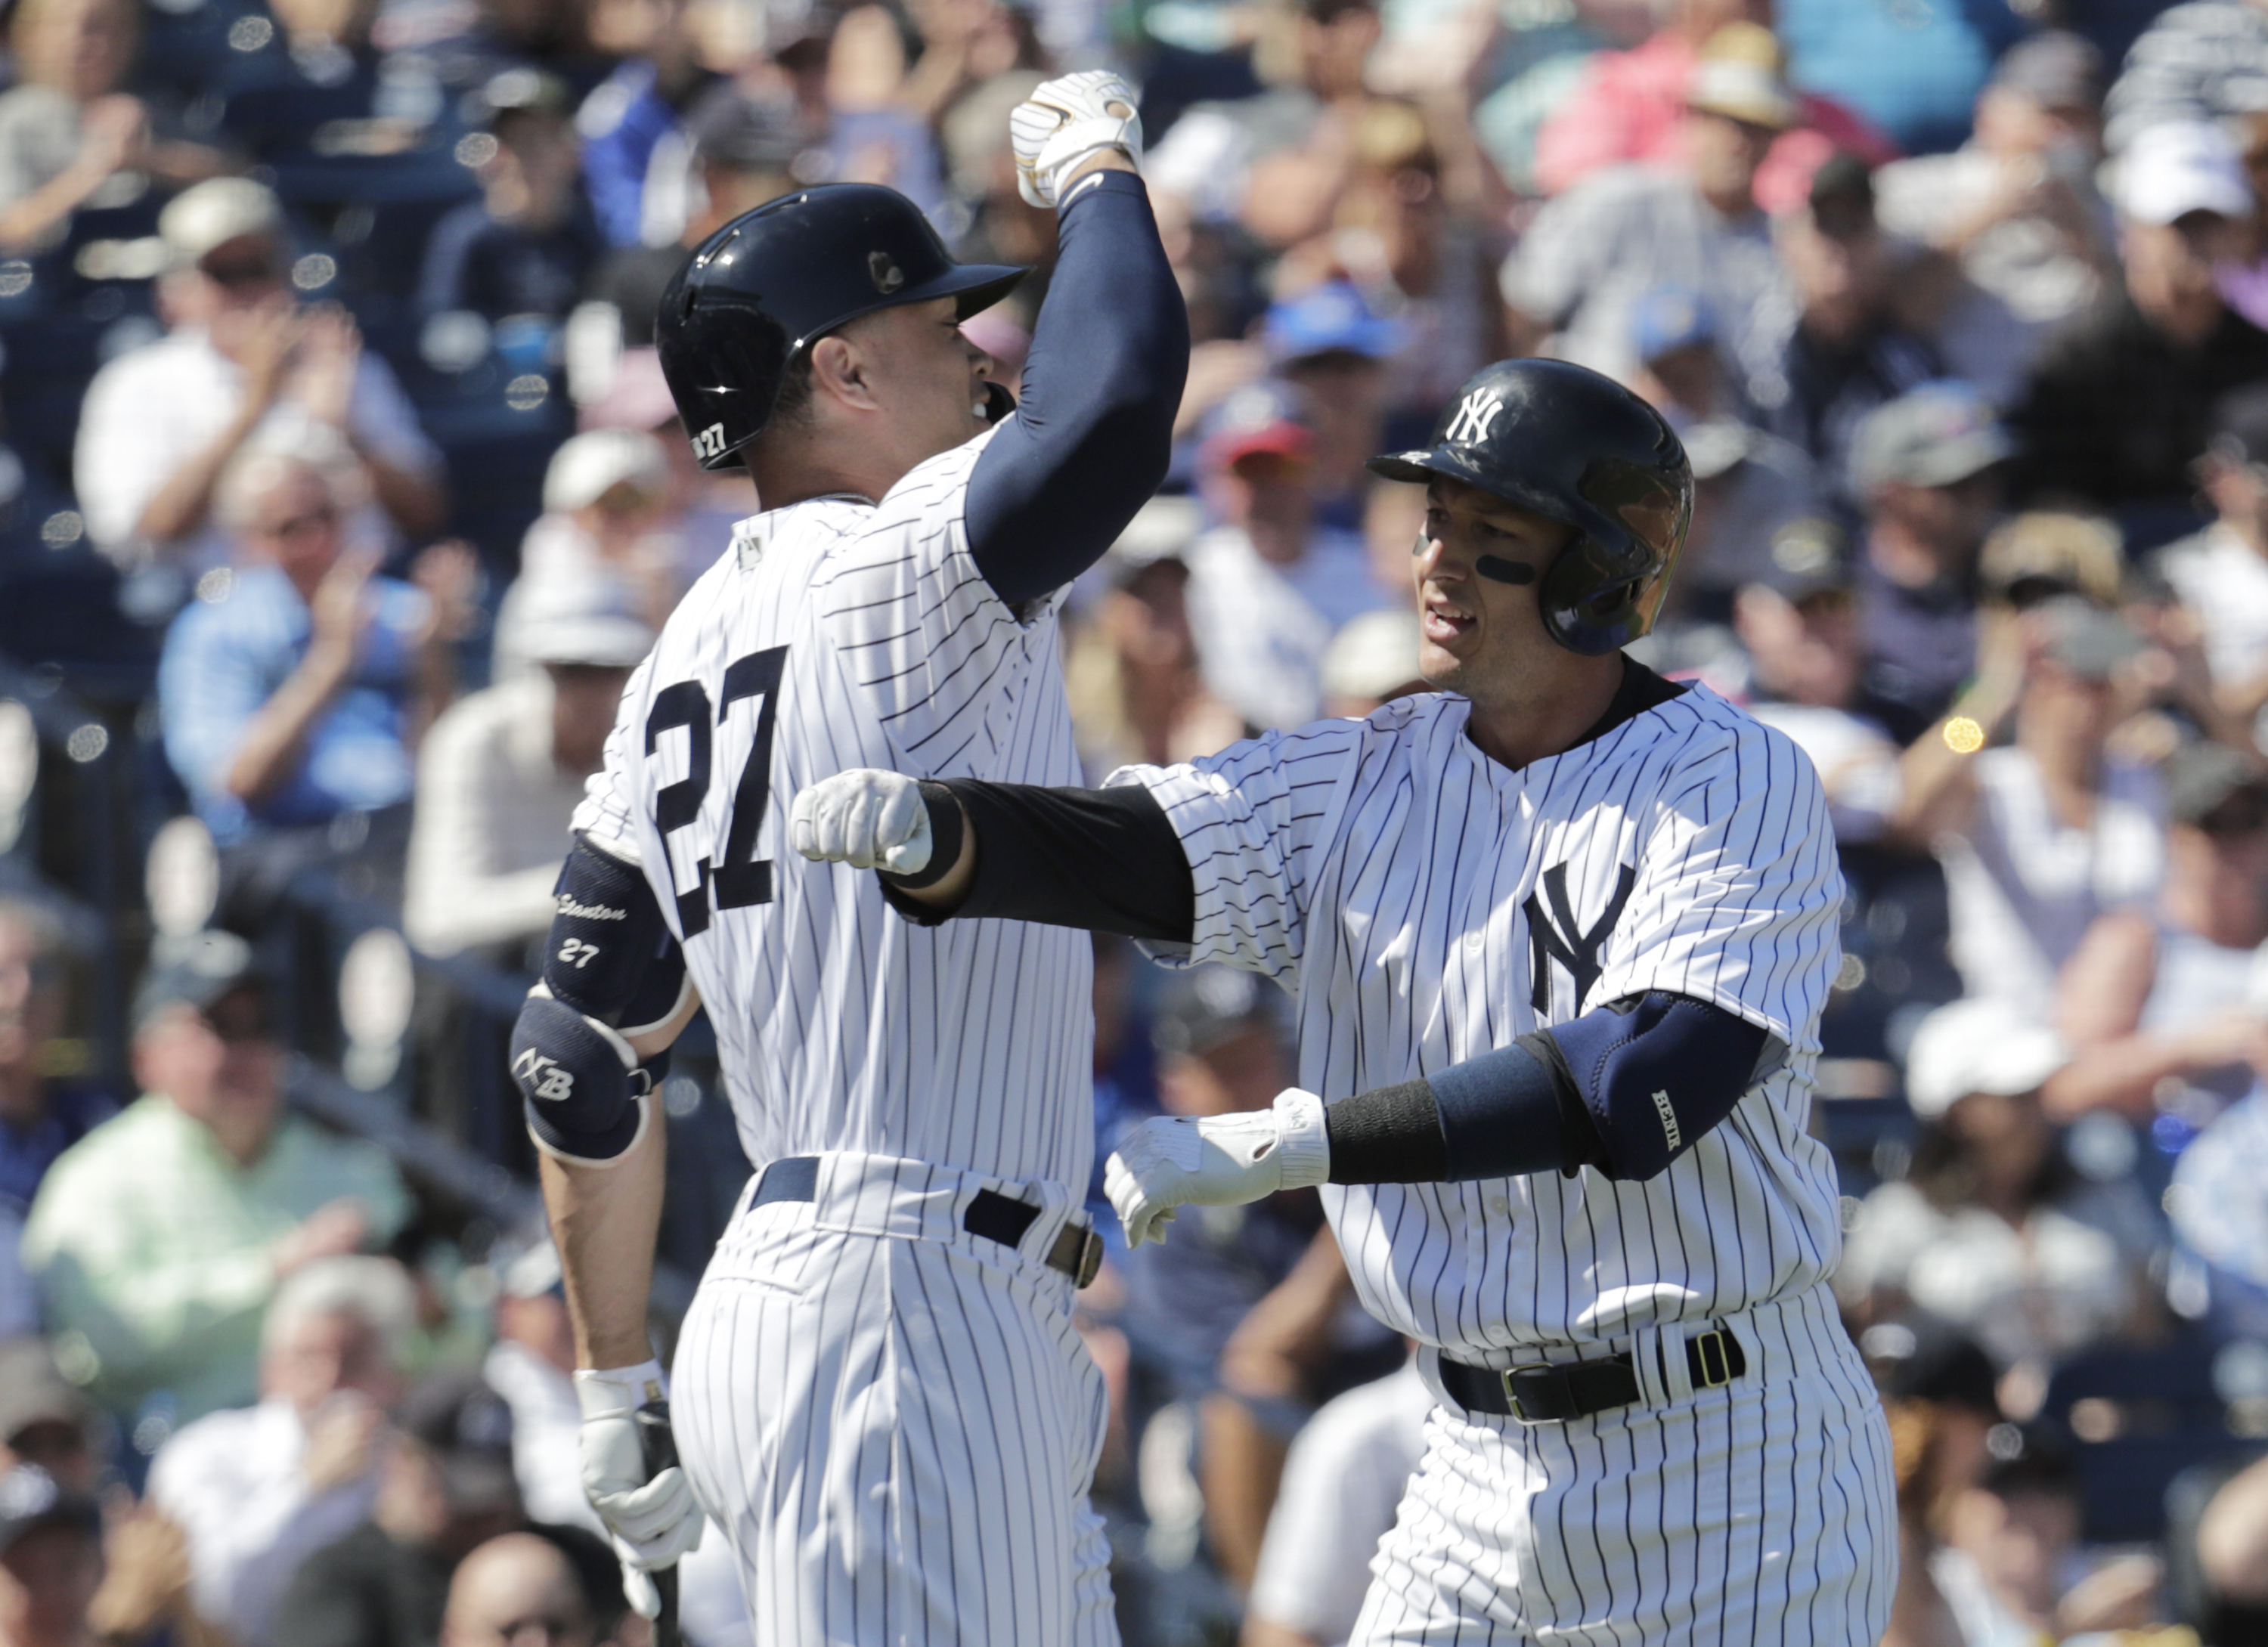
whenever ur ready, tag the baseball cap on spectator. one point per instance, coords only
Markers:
(198, 971)
(2172, 170)
(1937, 435)
(2213, 787)
(1261, 418)
(2092, 644)
(1162, 529)
(1331, 319)
(2055, 69)
(1979, 1045)
(527, 1267)
(2239, 432)
(582, 619)
(729, 128)
(30, 1500)
(33, 1391)
(1371, 656)
(467, 1427)
(1807, 560)
(2042, 554)
(1717, 446)
(523, 89)
(1739, 77)
(592, 464)
(1946, 1369)
(199, 220)
(1669, 318)
(2022, 1460)
(1842, 196)
(1201, 1008)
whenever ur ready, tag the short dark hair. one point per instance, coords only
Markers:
(792, 404)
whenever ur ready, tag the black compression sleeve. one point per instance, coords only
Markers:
(1108, 860)
(1390, 1135)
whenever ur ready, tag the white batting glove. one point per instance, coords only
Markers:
(866, 818)
(651, 1523)
(1063, 123)
(1171, 1161)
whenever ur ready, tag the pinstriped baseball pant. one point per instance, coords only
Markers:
(1757, 1512)
(896, 1435)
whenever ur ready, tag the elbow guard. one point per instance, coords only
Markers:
(1657, 1071)
(610, 955)
(586, 1094)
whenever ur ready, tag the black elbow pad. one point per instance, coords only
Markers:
(1657, 1071)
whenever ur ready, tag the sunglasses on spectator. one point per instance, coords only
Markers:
(298, 525)
(238, 273)
(239, 1018)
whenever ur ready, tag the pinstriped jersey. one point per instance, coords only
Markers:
(1424, 904)
(837, 634)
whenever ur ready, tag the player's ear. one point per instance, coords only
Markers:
(842, 369)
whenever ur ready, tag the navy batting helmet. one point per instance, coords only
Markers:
(1570, 444)
(771, 283)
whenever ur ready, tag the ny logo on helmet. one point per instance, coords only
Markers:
(1473, 418)
(710, 443)
(543, 1078)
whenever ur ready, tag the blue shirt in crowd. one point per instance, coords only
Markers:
(227, 655)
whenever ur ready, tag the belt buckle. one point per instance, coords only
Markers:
(1512, 1395)
(1090, 1260)
(1716, 1364)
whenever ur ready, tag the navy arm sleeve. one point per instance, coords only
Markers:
(1060, 479)
(1625, 1088)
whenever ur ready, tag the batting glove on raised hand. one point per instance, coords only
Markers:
(1065, 122)
(650, 1521)
(1170, 1161)
(866, 818)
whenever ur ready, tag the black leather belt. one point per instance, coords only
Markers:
(1076, 1251)
(1577, 1389)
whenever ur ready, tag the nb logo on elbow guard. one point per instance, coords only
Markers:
(543, 1078)
(1662, 1108)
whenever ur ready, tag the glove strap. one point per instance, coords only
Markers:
(617, 1392)
(1305, 1146)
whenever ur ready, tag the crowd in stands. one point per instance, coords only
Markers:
(338, 478)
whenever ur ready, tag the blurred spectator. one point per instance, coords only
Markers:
(1329, 347)
(1627, 107)
(2159, 999)
(1913, 74)
(527, 245)
(20, 1298)
(244, 361)
(1269, 586)
(1594, 251)
(1925, 468)
(50, 1560)
(444, 1486)
(260, 1488)
(161, 1236)
(2201, 61)
(516, 1585)
(1799, 628)
(294, 690)
(500, 775)
(314, 87)
(1136, 692)
(1343, 1483)
(1992, 1231)
(69, 136)
(2017, 203)
(2121, 396)
(1848, 353)
(2221, 573)
(44, 1418)
(606, 507)
(2231, 1558)
(2041, 837)
(2033, 558)
(40, 1115)
(2218, 1204)
(1371, 661)
(631, 123)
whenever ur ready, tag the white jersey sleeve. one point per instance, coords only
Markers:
(1738, 896)
(1251, 820)
(917, 628)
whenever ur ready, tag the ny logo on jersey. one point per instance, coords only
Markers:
(1473, 418)
(710, 443)
(543, 1078)
(1553, 934)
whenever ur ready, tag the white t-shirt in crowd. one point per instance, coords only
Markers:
(2221, 579)
(2022, 887)
(1341, 1483)
(153, 408)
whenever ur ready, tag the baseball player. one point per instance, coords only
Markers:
(880, 1398)
(1558, 934)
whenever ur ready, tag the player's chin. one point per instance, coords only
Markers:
(1438, 667)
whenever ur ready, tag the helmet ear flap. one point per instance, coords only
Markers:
(1585, 607)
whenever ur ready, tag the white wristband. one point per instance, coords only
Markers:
(608, 1393)
(1305, 1158)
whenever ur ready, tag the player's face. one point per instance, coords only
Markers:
(1477, 631)
(927, 378)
